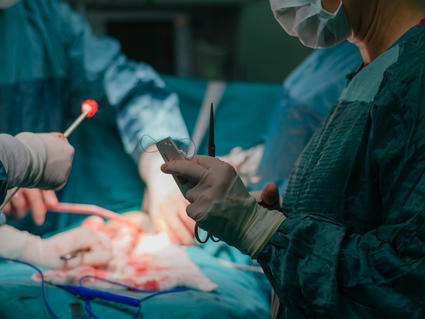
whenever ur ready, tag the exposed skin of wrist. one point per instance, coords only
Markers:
(269, 197)
(377, 25)
(330, 5)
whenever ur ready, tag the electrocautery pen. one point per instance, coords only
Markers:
(88, 109)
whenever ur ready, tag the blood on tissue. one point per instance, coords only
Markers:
(58, 273)
(148, 285)
(101, 273)
(93, 271)
(115, 230)
(142, 266)
(61, 273)
(138, 267)
(95, 223)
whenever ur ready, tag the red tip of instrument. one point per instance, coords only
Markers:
(89, 105)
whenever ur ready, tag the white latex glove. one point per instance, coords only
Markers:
(46, 252)
(165, 203)
(223, 207)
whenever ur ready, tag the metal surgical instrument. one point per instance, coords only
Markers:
(88, 109)
(211, 152)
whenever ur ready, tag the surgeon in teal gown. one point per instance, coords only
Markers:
(350, 242)
(50, 62)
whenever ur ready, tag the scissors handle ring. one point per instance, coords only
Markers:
(197, 235)
(216, 240)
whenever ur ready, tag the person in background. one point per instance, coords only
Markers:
(348, 241)
(44, 161)
(308, 94)
(50, 62)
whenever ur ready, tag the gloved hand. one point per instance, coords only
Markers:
(223, 207)
(36, 160)
(56, 165)
(46, 252)
(164, 201)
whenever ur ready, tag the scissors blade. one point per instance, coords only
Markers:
(211, 144)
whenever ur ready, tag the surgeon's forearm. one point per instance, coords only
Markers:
(14, 157)
(24, 165)
(157, 183)
(149, 164)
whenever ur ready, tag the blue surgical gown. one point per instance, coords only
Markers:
(307, 96)
(50, 62)
(353, 242)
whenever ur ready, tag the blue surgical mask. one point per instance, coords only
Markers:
(314, 26)
(7, 3)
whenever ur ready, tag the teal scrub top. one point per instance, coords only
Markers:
(353, 243)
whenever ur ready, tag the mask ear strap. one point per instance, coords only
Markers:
(284, 4)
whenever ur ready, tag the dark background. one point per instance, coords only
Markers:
(210, 39)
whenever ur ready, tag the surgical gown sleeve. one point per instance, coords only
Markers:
(146, 110)
(321, 267)
(3, 183)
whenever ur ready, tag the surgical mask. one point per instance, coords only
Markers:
(7, 3)
(314, 26)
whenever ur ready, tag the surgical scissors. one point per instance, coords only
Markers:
(211, 152)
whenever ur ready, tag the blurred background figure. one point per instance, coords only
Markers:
(186, 38)
(50, 62)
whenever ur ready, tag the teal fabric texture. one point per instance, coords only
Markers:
(353, 243)
(242, 116)
(120, 189)
(103, 174)
(51, 62)
(20, 297)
